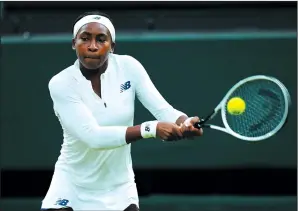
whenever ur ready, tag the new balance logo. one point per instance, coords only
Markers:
(147, 128)
(96, 18)
(125, 86)
(62, 202)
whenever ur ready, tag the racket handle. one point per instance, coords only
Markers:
(202, 124)
(199, 124)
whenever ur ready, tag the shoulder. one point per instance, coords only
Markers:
(129, 65)
(126, 61)
(62, 80)
(123, 58)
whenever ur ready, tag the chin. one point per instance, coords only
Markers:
(92, 66)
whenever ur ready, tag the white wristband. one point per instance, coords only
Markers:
(187, 121)
(148, 129)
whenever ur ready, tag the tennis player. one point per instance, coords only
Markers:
(94, 102)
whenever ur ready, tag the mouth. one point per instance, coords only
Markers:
(92, 57)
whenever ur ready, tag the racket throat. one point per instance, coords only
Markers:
(201, 123)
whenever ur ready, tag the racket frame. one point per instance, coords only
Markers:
(222, 104)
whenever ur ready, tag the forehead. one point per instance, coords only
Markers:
(94, 28)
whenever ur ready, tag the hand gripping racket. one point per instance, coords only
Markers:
(263, 103)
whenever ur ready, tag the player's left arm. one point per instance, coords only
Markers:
(153, 101)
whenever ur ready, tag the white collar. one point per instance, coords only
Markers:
(78, 74)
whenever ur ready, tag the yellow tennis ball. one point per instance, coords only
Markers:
(236, 106)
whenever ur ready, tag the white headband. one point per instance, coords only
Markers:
(98, 19)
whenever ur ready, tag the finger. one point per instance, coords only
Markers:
(197, 131)
(164, 138)
(185, 128)
(171, 135)
(194, 120)
(178, 131)
(176, 137)
(190, 128)
(189, 131)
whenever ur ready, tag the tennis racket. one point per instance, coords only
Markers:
(266, 101)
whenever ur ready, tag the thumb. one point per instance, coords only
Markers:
(194, 120)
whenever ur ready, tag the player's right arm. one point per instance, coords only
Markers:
(77, 119)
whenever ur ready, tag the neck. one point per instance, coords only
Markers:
(93, 73)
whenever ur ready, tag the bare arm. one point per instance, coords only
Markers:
(133, 134)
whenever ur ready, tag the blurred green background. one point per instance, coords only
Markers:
(192, 74)
(194, 52)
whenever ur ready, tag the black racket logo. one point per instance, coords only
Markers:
(272, 111)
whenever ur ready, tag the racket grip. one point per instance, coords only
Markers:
(200, 124)
(197, 125)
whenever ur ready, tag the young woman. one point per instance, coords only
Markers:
(94, 102)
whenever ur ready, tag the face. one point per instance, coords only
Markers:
(93, 44)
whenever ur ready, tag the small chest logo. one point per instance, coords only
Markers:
(62, 202)
(125, 86)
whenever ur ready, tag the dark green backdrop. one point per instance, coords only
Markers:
(192, 75)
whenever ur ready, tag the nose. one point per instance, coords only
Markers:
(93, 46)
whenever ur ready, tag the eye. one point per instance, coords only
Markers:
(84, 38)
(102, 40)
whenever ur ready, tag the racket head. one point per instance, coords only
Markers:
(267, 106)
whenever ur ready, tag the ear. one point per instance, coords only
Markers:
(73, 43)
(113, 47)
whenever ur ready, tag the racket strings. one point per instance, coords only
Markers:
(265, 107)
